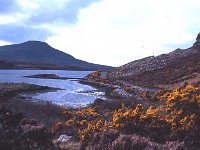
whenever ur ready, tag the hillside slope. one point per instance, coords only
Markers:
(40, 53)
(172, 68)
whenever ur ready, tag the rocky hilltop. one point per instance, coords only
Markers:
(166, 69)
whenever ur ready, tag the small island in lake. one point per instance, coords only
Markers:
(49, 76)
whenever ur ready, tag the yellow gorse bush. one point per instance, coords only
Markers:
(180, 111)
(87, 112)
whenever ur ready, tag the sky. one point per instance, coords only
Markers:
(108, 32)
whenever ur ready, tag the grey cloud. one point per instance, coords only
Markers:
(48, 13)
(7, 6)
(16, 33)
(67, 14)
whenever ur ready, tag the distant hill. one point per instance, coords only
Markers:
(6, 65)
(179, 66)
(36, 54)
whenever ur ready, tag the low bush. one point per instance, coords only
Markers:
(23, 134)
(45, 113)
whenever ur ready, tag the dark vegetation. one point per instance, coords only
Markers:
(112, 140)
(34, 66)
(45, 113)
(6, 65)
(21, 133)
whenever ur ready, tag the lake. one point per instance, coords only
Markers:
(72, 95)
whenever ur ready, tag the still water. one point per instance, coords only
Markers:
(72, 93)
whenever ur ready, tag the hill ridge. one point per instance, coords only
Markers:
(164, 69)
(37, 52)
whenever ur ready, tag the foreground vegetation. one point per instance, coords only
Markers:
(23, 123)
(18, 132)
(174, 123)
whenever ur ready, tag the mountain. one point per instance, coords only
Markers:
(38, 54)
(181, 65)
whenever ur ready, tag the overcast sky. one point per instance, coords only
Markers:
(109, 32)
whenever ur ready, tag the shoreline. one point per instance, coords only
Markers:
(101, 88)
(11, 99)
(107, 88)
(13, 89)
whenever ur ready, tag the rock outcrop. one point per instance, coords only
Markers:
(197, 43)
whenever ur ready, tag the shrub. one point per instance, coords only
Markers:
(19, 133)
(177, 119)
(124, 142)
(112, 140)
(101, 140)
